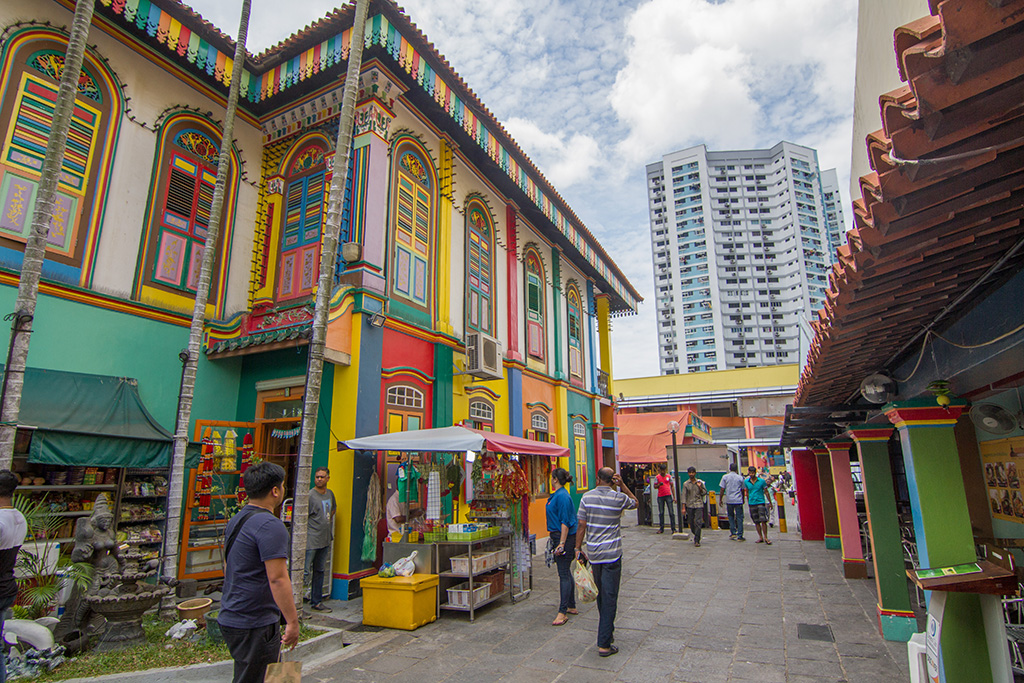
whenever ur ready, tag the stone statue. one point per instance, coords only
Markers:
(96, 544)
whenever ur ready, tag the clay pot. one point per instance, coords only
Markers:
(195, 609)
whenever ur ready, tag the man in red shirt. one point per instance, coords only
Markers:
(665, 499)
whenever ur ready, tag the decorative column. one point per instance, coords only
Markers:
(512, 274)
(969, 648)
(588, 315)
(370, 174)
(896, 620)
(446, 209)
(556, 312)
(808, 495)
(854, 566)
(828, 499)
(604, 329)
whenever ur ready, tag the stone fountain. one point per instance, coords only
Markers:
(113, 605)
(122, 600)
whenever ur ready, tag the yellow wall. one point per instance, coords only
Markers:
(720, 380)
(341, 463)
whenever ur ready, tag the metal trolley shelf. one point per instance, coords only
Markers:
(448, 549)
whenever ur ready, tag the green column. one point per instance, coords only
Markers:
(896, 619)
(556, 312)
(942, 526)
(828, 499)
(444, 387)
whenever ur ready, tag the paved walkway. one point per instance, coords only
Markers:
(726, 611)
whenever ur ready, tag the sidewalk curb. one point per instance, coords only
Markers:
(314, 651)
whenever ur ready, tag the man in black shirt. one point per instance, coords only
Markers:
(257, 587)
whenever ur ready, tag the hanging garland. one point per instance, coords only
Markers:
(204, 478)
(246, 463)
(286, 433)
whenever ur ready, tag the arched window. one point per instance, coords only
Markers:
(31, 70)
(574, 324)
(535, 322)
(479, 268)
(188, 153)
(413, 208)
(481, 415)
(539, 426)
(299, 261)
(405, 397)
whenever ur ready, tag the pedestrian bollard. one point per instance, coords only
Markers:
(780, 504)
(713, 509)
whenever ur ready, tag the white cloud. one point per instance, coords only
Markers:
(732, 75)
(564, 159)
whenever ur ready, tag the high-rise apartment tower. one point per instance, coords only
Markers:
(742, 246)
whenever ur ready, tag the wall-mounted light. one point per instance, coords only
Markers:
(351, 251)
(378, 320)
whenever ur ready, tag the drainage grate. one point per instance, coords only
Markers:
(800, 567)
(820, 632)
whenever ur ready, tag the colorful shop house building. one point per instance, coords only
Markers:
(466, 289)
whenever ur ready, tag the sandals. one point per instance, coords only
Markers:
(572, 610)
(560, 622)
(609, 652)
(767, 542)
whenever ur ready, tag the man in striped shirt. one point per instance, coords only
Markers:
(598, 516)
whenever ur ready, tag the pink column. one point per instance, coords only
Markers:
(513, 285)
(808, 495)
(854, 566)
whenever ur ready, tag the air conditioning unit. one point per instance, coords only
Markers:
(483, 356)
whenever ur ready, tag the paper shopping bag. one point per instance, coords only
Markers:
(284, 672)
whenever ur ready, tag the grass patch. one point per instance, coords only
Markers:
(158, 652)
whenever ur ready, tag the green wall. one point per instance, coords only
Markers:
(76, 337)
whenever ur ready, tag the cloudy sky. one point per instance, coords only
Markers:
(593, 90)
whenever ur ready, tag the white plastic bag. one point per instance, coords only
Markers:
(405, 566)
(586, 587)
(181, 629)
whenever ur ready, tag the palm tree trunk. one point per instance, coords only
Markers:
(176, 488)
(328, 260)
(35, 246)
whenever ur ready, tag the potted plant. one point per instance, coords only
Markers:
(41, 571)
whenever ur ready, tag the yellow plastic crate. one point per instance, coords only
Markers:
(402, 602)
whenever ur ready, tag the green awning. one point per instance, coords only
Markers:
(94, 420)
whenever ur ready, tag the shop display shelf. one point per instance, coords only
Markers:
(460, 575)
(68, 487)
(144, 542)
(155, 495)
(143, 519)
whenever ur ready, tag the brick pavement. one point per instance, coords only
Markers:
(726, 611)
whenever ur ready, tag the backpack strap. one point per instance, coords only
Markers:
(248, 511)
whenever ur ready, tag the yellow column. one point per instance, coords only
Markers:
(341, 463)
(446, 208)
(604, 329)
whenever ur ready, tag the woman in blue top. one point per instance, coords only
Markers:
(561, 515)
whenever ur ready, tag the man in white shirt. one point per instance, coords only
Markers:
(393, 511)
(13, 529)
(731, 494)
